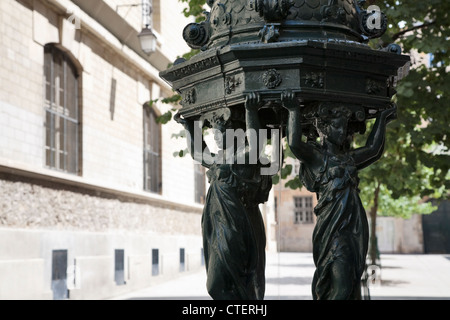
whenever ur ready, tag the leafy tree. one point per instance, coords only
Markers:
(416, 161)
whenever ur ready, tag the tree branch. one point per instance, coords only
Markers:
(423, 25)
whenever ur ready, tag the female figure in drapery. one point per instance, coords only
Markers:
(233, 230)
(330, 169)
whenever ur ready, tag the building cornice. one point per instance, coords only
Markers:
(107, 26)
(59, 180)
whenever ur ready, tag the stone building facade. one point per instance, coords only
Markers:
(92, 201)
(295, 218)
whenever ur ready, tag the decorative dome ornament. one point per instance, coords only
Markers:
(234, 21)
(239, 37)
(272, 10)
(195, 35)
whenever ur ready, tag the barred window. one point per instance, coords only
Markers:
(303, 210)
(62, 111)
(199, 175)
(152, 152)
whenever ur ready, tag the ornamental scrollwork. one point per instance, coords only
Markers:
(189, 96)
(314, 79)
(375, 86)
(272, 79)
(231, 83)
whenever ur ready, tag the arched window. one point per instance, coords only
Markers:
(62, 111)
(152, 152)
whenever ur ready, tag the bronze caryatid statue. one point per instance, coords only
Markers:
(295, 69)
(330, 169)
(234, 238)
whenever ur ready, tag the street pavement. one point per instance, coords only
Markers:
(289, 277)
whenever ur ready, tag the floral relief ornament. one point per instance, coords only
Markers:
(271, 78)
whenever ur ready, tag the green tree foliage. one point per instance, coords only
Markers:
(416, 161)
(167, 116)
(195, 9)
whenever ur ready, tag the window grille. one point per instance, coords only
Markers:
(303, 210)
(152, 152)
(62, 111)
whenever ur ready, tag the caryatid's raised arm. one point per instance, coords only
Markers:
(302, 151)
(253, 126)
(373, 150)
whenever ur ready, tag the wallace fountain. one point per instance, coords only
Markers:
(304, 69)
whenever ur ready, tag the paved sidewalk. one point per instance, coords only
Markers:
(289, 276)
(413, 277)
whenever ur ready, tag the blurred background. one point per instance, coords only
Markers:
(98, 201)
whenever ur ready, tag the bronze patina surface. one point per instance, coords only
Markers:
(303, 67)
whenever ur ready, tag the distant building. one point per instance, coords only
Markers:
(92, 201)
(398, 235)
(428, 233)
(436, 229)
(294, 214)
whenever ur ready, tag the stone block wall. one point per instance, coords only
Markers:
(104, 207)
